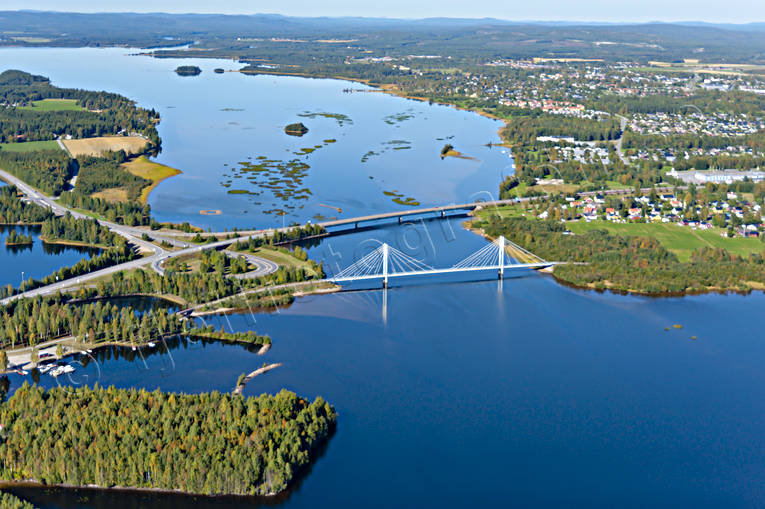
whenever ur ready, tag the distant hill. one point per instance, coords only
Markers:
(459, 38)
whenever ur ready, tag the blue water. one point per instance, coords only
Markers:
(515, 393)
(214, 122)
(37, 260)
(520, 393)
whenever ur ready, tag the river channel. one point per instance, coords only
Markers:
(521, 393)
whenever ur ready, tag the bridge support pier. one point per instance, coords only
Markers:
(399, 219)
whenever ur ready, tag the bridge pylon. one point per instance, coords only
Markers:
(385, 253)
(501, 256)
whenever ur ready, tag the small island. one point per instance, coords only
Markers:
(448, 151)
(297, 129)
(218, 70)
(15, 238)
(188, 70)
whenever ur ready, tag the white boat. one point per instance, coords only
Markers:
(22, 372)
(151, 344)
(67, 369)
(55, 371)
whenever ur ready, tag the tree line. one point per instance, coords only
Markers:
(103, 112)
(15, 211)
(47, 170)
(99, 173)
(209, 443)
(627, 263)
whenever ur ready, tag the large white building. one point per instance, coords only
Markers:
(717, 176)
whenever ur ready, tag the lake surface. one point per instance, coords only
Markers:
(514, 393)
(524, 393)
(365, 151)
(36, 260)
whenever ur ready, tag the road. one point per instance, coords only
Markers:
(618, 144)
(263, 267)
(158, 255)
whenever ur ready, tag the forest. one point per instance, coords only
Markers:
(47, 170)
(15, 211)
(208, 443)
(30, 322)
(15, 238)
(128, 213)
(9, 501)
(102, 113)
(82, 231)
(526, 129)
(602, 260)
(99, 173)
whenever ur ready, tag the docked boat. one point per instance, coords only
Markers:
(151, 344)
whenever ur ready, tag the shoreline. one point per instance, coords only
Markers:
(265, 369)
(385, 88)
(687, 293)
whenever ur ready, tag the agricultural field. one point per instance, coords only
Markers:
(145, 168)
(97, 146)
(681, 240)
(30, 146)
(53, 105)
(114, 194)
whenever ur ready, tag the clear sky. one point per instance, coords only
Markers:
(728, 11)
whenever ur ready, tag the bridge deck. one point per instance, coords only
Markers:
(540, 265)
(414, 212)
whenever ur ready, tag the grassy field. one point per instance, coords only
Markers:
(97, 146)
(145, 168)
(114, 194)
(283, 259)
(53, 105)
(681, 240)
(30, 146)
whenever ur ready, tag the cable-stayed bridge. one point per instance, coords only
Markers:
(386, 263)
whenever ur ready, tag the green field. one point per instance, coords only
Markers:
(681, 240)
(53, 105)
(30, 146)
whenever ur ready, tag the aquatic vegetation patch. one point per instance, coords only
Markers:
(398, 118)
(387, 145)
(340, 118)
(400, 199)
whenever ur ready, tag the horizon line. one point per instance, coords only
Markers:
(387, 18)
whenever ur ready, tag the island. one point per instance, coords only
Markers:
(296, 129)
(267, 441)
(218, 70)
(188, 70)
(15, 238)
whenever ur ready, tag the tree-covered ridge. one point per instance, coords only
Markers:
(104, 113)
(208, 443)
(33, 321)
(129, 213)
(47, 170)
(9, 501)
(14, 211)
(99, 173)
(637, 264)
(85, 231)
(526, 129)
